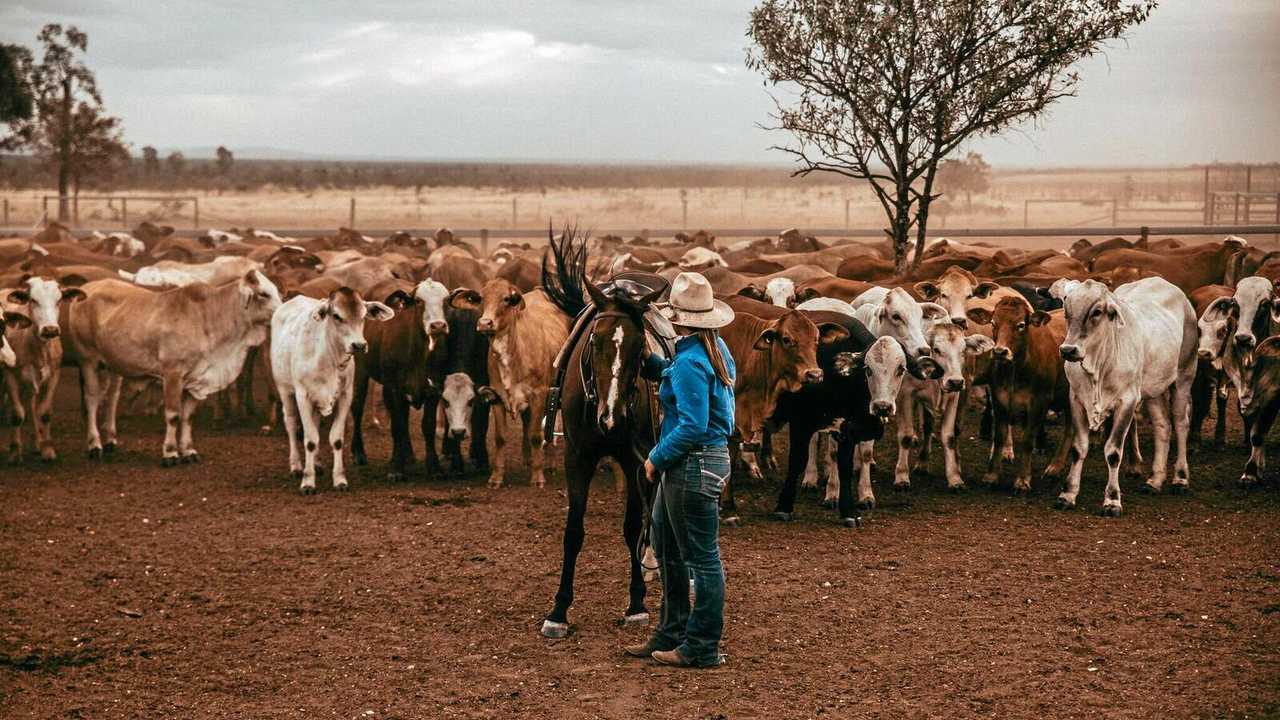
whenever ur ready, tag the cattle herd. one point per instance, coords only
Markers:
(828, 343)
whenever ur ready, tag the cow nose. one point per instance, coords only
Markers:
(49, 332)
(882, 408)
(459, 434)
(924, 351)
(960, 321)
(1070, 353)
(813, 377)
(954, 384)
(1205, 354)
(1000, 351)
(1244, 340)
(359, 347)
(438, 327)
(484, 325)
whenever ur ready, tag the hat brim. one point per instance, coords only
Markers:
(718, 316)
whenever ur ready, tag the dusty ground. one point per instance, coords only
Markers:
(215, 590)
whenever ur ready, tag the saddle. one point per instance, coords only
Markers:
(659, 334)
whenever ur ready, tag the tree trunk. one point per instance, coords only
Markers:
(64, 153)
(922, 214)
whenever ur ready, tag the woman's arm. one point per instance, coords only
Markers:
(689, 382)
(652, 366)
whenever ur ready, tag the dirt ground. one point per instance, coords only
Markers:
(217, 591)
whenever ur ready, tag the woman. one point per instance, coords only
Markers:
(692, 456)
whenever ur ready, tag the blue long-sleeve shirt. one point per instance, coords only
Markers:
(697, 410)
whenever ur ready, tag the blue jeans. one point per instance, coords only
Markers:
(685, 535)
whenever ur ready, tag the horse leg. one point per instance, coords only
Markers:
(632, 526)
(578, 467)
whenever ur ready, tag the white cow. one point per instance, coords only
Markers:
(312, 344)
(170, 274)
(36, 349)
(1134, 345)
(222, 237)
(781, 291)
(458, 399)
(701, 258)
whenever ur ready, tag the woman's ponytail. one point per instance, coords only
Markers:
(708, 338)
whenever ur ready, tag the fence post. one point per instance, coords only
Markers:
(351, 216)
(195, 222)
(75, 210)
(484, 241)
(513, 213)
(1247, 210)
(684, 209)
(1026, 213)
(1208, 206)
(6, 210)
(1145, 231)
(1236, 220)
(1115, 213)
(44, 206)
(124, 212)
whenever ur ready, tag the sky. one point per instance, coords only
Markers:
(661, 81)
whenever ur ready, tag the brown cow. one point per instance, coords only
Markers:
(832, 287)
(460, 271)
(525, 333)
(1210, 380)
(867, 269)
(521, 272)
(1188, 268)
(1026, 381)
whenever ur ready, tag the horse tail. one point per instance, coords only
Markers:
(566, 284)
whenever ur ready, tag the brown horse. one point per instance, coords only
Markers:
(608, 410)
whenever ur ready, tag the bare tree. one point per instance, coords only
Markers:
(69, 125)
(150, 161)
(225, 160)
(177, 163)
(883, 90)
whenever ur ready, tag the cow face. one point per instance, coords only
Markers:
(1010, 322)
(459, 399)
(781, 292)
(498, 303)
(902, 318)
(1091, 313)
(345, 312)
(432, 295)
(953, 291)
(261, 297)
(1253, 303)
(950, 349)
(792, 341)
(41, 298)
(1258, 381)
(1216, 325)
(10, 320)
(885, 366)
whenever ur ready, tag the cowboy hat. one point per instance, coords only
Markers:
(693, 304)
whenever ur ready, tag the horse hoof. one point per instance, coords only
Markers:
(1063, 504)
(635, 619)
(731, 521)
(95, 453)
(780, 516)
(554, 630)
(307, 489)
(1178, 489)
(853, 522)
(1110, 511)
(109, 449)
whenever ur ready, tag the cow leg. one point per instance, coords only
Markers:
(950, 436)
(811, 468)
(430, 459)
(866, 456)
(185, 446)
(1059, 464)
(42, 415)
(479, 437)
(499, 460)
(844, 481)
(826, 449)
(338, 429)
(291, 426)
(768, 461)
(1122, 423)
(244, 384)
(1076, 454)
(797, 459)
(906, 439)
(1135, 464)
(14, 391)
(91, 382)
(1201, 392)
(579, 465)
(172, 414)
(1158, 414)
(1031, 431)
(1220, 419)
(1001, 445)
(359, 394)
(1258, 429)
(751, 458)
(110, 438)
(401, 445)
(927, 419)
(1181, 421)
(310, 437)
(533, 436)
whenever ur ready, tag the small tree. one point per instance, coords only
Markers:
(96, 150)
(970, 175)
(150, 161)
(67, 105)
(225, 159)
(177, 163)
(885, 89)
(17, 102)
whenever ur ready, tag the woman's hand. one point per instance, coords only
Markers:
(650, 470)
